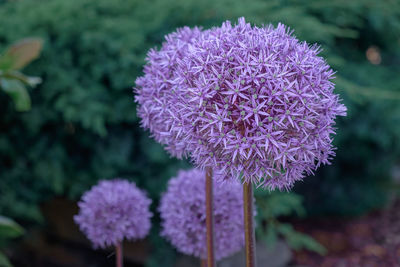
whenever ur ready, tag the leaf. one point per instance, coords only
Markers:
(21, 54)
(4, 262)
(16, 75)
(17, 91)
(280, 204)
(271, 235)
(298, 240)
(9, 228)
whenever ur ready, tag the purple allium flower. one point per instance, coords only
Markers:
(156, 93)
(260, 103)
(112, 211)
(183, 214)
(254, 102)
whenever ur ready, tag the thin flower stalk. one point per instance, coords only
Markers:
(119, 255)
(210, 218)
(249, 229)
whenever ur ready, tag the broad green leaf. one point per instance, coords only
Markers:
(21, 54)
(6, 63)
(4, 262)
(17, 91)
(9, 228)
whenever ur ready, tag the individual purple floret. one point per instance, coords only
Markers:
(183, 214)
(112, 211)
(156, 94)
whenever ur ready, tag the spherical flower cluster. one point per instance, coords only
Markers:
(183, 214)
(156, 93)
(112, 211)
(254, 102)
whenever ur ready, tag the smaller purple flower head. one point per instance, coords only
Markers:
(183, 214)
(157, 94)
(112, 211)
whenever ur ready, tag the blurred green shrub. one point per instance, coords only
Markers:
(13, 82)
(83, 124)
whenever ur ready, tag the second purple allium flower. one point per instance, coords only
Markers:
(183, 214)
(112, 211)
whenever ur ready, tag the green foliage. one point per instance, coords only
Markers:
(83, 125)
(17, 91)
(8, 229)
(4, 262)
(163, 255)
(13, 82)
(297, 240)
(273, 205)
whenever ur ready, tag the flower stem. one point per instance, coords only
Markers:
(210, 219)
(118, 255)
(203, 263)
(249, 231)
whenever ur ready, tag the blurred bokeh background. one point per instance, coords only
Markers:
(82, 127)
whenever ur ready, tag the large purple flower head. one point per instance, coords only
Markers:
(259, 104)
(156, 92)
(112, 211)
(183, 214)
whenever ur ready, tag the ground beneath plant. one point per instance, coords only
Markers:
(368, 241)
